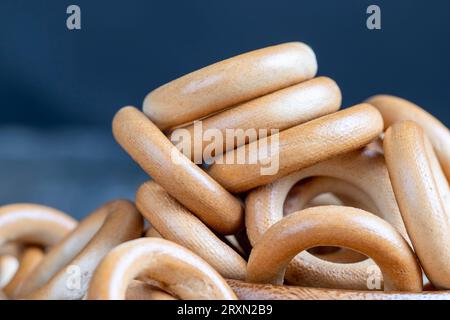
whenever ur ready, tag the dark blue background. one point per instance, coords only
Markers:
(51, 76)
(53, 80)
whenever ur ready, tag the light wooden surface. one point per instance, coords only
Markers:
(251, 291)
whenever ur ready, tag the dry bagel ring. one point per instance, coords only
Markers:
(301, 147)
(252, 291)
(63, 252)
(177, 224)
(322, 191)
(30, 258)
(280, 110)
(362, 168)
(394, 109)
(123, 223)
(181, 271)
(229, 82)
(184, 181)
(33, 224)
(301, 195)
(423, 196)
(336, 226)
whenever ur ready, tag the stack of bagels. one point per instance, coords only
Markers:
(356, 206)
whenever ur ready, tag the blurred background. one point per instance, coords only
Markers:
(59, 89)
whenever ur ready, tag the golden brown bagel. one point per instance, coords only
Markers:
(178, 269)
(184, 181)
(394, 109)
(300, 147)
(279, 110)
(303, 195)
(229, 82)
(252, 291)
(122, 223)
(30, 258)
(177, 224)
(33, 224)
(335, 226)
(63, 252)
(423, 195)
(364, 169)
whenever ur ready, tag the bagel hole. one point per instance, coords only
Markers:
(295, 202)
(305, 194)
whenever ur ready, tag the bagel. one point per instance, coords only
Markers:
(336, 226)
(423, 196)
(182, 272)
(177, 224)
(184, 181)
(229, 82)
(297, 148)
